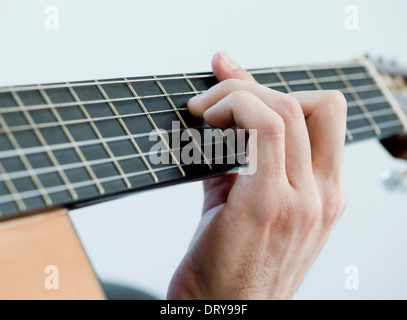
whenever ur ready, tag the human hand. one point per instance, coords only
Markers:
(259, 234)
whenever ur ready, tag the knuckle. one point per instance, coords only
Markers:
(292, 108)
(274, 126)
(298, 215)
(334, 204)
(228, 84)
(312, 212)
(336, 99)
(241, 96)
(240, 99)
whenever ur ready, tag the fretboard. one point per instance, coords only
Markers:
(69, 144)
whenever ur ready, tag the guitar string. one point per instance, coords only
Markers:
(274, 84)
(95, 162)
(50, 190)
(65, 167)
(17, 128)
(322, 80)
(69, 166)
(84, 143)
(354, 65)
(33, 193)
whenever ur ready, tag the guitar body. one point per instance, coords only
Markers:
(41, 257)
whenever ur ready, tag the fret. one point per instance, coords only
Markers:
(359, 102)
(150, 119)
(12, 189)
(100, 137)
(82, 121)
(92, 137)
(50, 154)
(283, 82)
(199, 76)
(318, 87)
(381, 112)
(183, 122)
(85, 103)
(273, 82)
(84, 143)
(72, 143)
(69, 165)
(386, 125)
(33, 193)
(127, 131)
(385, 91)
(23, 158)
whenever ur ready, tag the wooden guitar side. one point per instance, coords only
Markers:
(41, 258)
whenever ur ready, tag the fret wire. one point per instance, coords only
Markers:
(384, 125)
(386, 92)
(33, 193)
(79, 121)
(23, 158)
(318, 87)
(351, 104)
(150, 119)
(349, 90)
(70, 104)
(106, 82)
(368, 101)
(69, 166)
(196, 92)
(73, 144)
(359, 101)
(357, 76)
(76, 144)
(127, 131)
(283, 82)
(80, 184)
(100, 137)
(12, 189)
(90, 102)
(355, 131)
(83, 143)
(304, 67)
(183, 122)
(50, 154)
(376, 113)
(192, 76)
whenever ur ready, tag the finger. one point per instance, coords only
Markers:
(217, 190)
(325, 113)
(247, 111)
(298, 153)
(225, 68)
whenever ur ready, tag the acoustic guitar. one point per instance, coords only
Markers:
(66, 145)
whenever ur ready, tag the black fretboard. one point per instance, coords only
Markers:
(70, 143)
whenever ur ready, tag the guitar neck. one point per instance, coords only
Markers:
(66, 144)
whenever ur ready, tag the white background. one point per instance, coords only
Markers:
(139, 240)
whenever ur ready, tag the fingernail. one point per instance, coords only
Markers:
(229, 62)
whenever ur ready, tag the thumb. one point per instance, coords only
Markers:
(225, 68)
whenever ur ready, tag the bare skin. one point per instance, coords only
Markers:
(259, 234)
